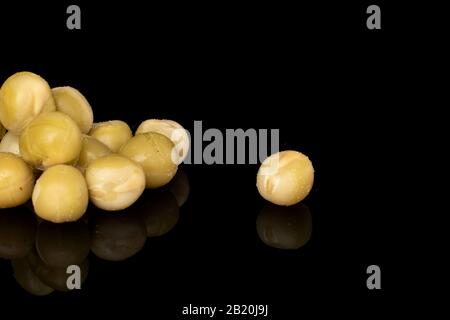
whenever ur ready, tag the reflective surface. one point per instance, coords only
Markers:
(40, 252)
(17, 233)
(335, 90)
(285, 227)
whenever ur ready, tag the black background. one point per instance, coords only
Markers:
(314, 71)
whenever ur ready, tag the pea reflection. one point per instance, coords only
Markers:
(56, 277)
(160, 213)
(61, 245)
(25, 275)
(117, 236)
(179, 187)
(17, 233)
(284, 227)
(41, 251)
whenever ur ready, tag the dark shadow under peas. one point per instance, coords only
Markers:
(284, 227)
(60, 245)
(179, 186)
(26, 277)
(117, 236)
(160, 212)
(56, 277)
(17, 233)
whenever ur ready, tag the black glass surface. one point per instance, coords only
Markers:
(312, 71)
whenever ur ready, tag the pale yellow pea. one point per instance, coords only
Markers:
(16, 181)
(172, 130)
(71, 102)
(285, 178)
(153, 152)
(10, 143)
(60, 194)
(91, 150)
(23, 96)
(51, 138)
(114, 134)
(115, 182)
